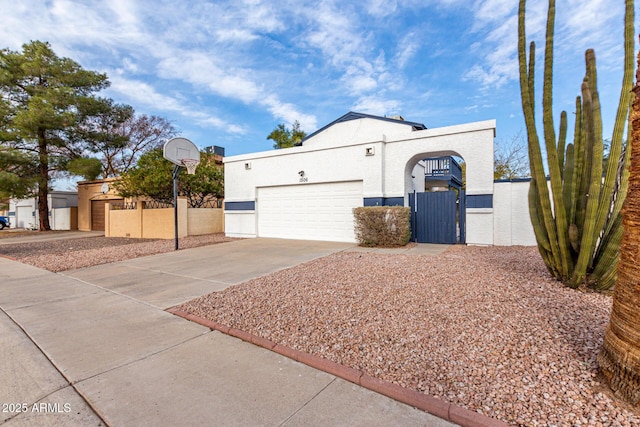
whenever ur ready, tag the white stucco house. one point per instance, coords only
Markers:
(309, 191)
(63, 211)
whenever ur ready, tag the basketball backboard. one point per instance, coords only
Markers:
(177, 149)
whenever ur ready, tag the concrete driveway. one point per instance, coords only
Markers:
(96, 341)
(168, 279)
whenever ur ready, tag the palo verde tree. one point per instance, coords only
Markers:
(43, 101)
(284, 137)
(152, 178)
(578, 226)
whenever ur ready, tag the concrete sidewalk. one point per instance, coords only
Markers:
(106, 350)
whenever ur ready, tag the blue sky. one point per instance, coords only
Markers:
(227, 72)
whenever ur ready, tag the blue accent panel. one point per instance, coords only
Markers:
(514, 180)
(394, 201)
(240, 206)
(383, 201)
(479, 201)
(373, 201)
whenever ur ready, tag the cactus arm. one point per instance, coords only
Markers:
(586, 151)
(562, 228)
(538, 228)
(578, 158)
(607, 256)
(535, 156)
(547, 86)
(589, 233)
(621, 184)
(567, 189)
(562, 141)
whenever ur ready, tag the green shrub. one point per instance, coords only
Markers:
(382, 225)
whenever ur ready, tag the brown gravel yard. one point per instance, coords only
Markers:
(62, 255)
(481, 327)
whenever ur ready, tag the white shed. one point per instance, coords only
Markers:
(309, 191)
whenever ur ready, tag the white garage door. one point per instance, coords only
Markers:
(309, 211)
(25, 217)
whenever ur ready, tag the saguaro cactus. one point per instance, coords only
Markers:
(578, 226)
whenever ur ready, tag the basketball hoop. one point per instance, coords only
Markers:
(191, 165)
(182, 153)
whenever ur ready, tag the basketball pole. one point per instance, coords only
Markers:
(176, 173)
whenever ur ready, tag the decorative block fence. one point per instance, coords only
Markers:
(139, 220)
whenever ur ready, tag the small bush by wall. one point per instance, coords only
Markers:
(382, 225)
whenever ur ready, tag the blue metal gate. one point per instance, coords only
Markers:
(435, 219)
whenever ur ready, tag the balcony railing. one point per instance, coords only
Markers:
(443, 168)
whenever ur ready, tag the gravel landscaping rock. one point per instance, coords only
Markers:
(62, 255)
(485, 328)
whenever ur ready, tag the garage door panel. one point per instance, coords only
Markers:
(97, 214)
(309, 211)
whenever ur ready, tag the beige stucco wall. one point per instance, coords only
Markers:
(91, 190)
(205, 221)
(159, 223)
(123, 223)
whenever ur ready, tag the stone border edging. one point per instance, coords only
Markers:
(441, 409)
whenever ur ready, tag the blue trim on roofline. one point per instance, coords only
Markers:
(355, 116)
(240, 206)
(479, 201)
(383, 201)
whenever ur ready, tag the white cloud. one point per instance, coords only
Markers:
(407, 49)
(261, 15)
(487, 12)
(335, 33)
(381, 8)
(376, 106)
(144, 94)
(289, 113)
(495, 21)
(126, 11)
(235, 35)
(201, 70)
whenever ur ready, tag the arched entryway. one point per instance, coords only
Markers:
(437, 202)
(472, 142)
